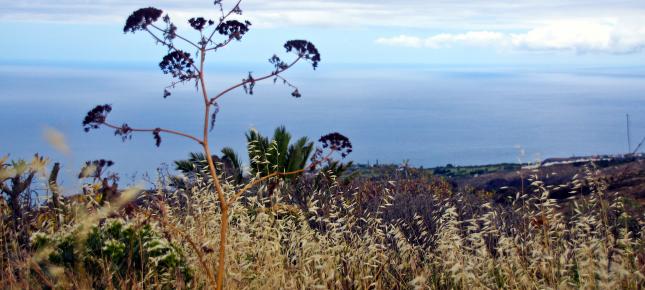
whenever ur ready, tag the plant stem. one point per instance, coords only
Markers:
(273, 74)
(173, 132)
(218, 187)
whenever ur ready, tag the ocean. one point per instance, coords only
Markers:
(430, 115)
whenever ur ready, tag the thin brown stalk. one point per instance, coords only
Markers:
(274, 174)
(260, 180)
(178, 36)
(169, 45)
(272, 74)
(173, 132)
(216, 182)
(198, 251)
(40, 274)
(237, 5)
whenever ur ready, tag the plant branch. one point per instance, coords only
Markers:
(38, 270)
(220, 45)
(275, 174)
(173, 84)
(207, 104)
(19, 187)
(288, 83)
(4, 188)
(168, 131)
(169, 45)
(272, 74)
(178, 36)
(221, 20)
(260, 180)
(221, 9)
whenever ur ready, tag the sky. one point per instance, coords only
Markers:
(444, 32)
(493, 46)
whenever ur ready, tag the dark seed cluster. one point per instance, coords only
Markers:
(170, 32)
(233, 29)
(305, 49)
(336, 142)
(214, 114)
(277, 63)
(141, 18)
(179, 64)
(157, 135)
(96, 117)
(248, 84)
(124, 131)
(199, 23)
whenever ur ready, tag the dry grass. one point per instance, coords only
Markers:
(332, 242)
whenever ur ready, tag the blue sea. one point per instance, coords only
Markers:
(428, 114)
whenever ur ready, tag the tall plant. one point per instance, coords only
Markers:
(186, 69)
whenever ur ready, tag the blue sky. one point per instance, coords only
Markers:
(456, 32)
(517, 54)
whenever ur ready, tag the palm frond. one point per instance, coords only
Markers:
(231, 158)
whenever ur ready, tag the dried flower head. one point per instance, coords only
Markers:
(198, 23)
(96, 117)
(278, 64)
(179, 64)
(140, 19)
(305, 49)
(336, 142)
(233, 29)
(157, 135)
(170, 32)
(124, 131)
(248, 84)
(214, 114)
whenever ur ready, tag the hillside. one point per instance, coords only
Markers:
(623, 174)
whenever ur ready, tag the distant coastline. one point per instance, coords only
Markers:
(624, 174)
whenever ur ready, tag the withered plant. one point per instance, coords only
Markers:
(16, 179)
(215, 34)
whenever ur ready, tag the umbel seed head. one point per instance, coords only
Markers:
(96, 117)
(304, 49)
(140, 19)
(337, 142)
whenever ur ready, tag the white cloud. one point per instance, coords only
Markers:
(588, 25)
(482, 38)
(583, 37)
(579, 36)
(475, 38)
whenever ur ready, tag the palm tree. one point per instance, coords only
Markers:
(196, 165)
(265, 155)
(277, 155)
(336, 169)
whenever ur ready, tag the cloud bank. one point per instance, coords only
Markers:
(467, 15)
(581, 37)
(582, 26)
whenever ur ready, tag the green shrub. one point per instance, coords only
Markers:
(117, 252)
